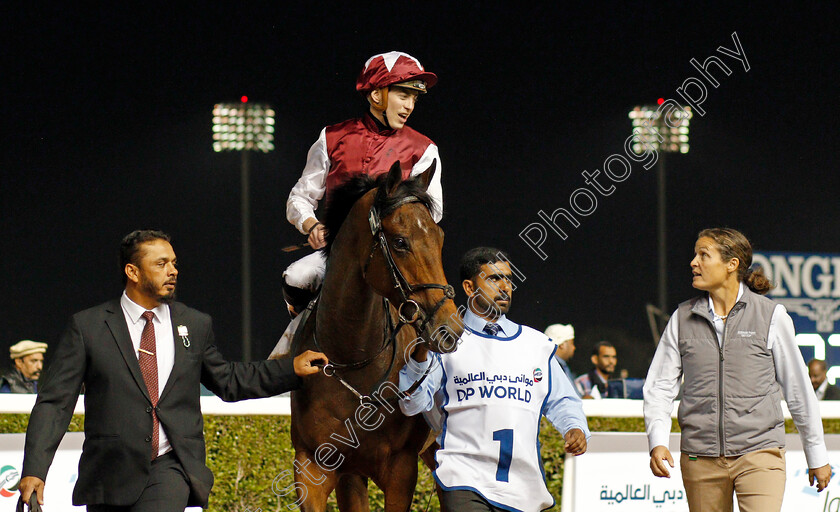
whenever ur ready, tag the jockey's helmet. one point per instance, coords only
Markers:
(393, 68)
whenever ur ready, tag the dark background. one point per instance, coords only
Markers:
(106, 122)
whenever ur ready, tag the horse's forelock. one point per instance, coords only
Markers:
(386, 204)
(344, 197)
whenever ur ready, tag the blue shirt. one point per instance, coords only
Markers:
(563, 407)
(565, 366)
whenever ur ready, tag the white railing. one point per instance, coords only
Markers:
(212, 405)
(619, 408)
(279, 405)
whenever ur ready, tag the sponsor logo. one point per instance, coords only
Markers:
(537, 374)
(807, 284)
(9, 480)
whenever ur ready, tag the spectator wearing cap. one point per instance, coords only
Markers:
(564, 337)
(369, 145)
(28, 356)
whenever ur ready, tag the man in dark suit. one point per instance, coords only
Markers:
(141, 359)
(817, 372)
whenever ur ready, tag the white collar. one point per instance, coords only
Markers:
(712, 305)
(135, 311)
(820, 391)
(476, 323)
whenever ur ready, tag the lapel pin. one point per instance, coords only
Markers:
(184, 333)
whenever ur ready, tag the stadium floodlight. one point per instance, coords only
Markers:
(244, 127)
(661, 129)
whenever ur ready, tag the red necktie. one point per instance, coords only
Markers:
(148, 365)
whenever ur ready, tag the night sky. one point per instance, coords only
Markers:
(107, 128)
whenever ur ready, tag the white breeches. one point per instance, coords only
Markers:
(285, 343)
(308, 272)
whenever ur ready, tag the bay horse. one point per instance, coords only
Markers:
(384, 296)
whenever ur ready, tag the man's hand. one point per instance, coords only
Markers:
(575, 442)
(317, 233)
(309, 362)
(658, 456)
(822, 475)
(318, 236)
(30, 484)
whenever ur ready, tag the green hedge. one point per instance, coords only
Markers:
(247, 453)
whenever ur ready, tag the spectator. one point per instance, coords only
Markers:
(564, 336)
(594, 383)
(823, 390)
(28, 356)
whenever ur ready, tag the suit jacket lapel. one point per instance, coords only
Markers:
(177, 318)
(116, 323)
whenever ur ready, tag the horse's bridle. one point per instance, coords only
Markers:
(406, 289)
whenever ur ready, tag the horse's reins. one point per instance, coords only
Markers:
(406, 289)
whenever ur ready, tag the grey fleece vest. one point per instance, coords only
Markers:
(730, 402)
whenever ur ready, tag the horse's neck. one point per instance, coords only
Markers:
(351, 313)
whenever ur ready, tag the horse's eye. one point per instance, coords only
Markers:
(400, 244)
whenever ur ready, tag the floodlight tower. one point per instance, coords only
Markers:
(244, 127)
(661, 129)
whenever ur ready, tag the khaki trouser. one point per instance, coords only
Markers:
(757, 478)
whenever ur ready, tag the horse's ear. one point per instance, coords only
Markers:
(426, 177)
(394, 178)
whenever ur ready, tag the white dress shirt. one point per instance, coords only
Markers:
(663, 383)
(820, 391)
(164, 344)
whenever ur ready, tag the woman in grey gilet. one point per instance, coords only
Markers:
(735, 349)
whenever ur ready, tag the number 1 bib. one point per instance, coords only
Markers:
(495, 389)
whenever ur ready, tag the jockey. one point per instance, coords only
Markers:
(392, 83)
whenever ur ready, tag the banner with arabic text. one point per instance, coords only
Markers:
(614, 476)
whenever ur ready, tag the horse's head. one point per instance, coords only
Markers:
(403, 261)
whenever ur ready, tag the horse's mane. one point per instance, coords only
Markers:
(345, 196)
